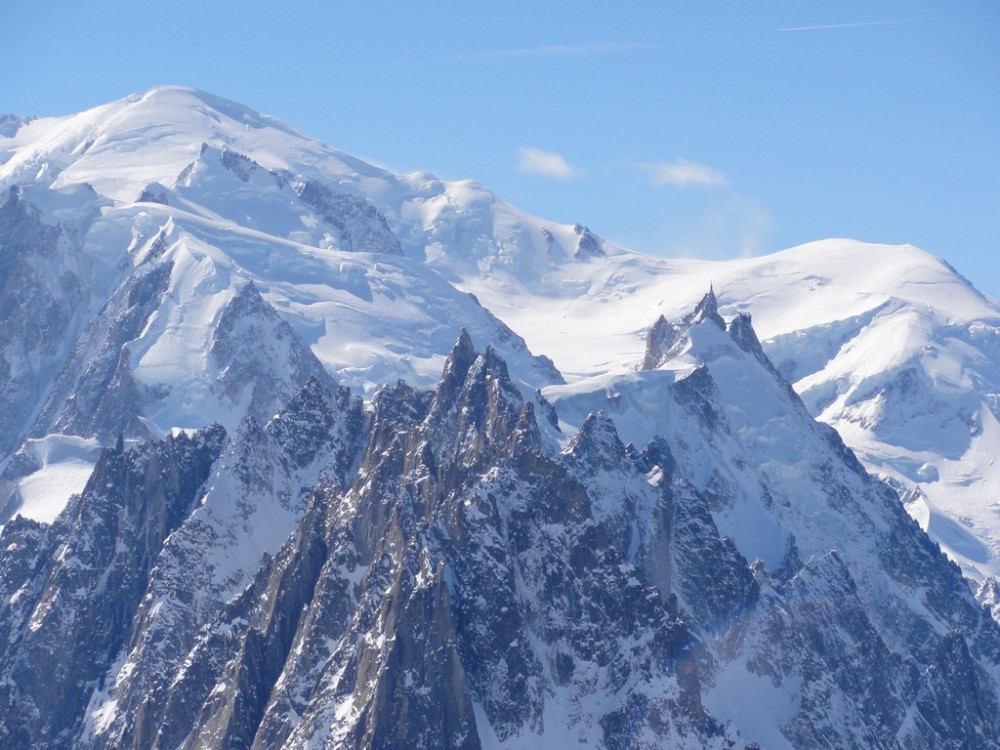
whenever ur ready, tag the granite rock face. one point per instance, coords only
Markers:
(71, 591)
(265, 377)
(434, 572)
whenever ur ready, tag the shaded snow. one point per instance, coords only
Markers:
(66, 463)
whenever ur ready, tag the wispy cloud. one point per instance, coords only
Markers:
(853, 25)
(682, 173)
(737, 227)
(546, 163)
(554, 50)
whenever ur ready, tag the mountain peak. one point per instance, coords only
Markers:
(463, 354)
(706, 309)
(659, 341)
(664, 337)
(456, 369)
(187, 99)
(597, 443)
(438, 550)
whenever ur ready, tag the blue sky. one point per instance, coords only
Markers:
(686, 129)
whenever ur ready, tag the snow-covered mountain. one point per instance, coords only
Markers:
(887, 344)
(130, 227)
(604, 517)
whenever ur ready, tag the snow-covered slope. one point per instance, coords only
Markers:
(887, 344)
(190, 196)
(654, 544)
(180, 197)
(141, 144)
(138, 229)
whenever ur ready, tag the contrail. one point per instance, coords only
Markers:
(854, 25)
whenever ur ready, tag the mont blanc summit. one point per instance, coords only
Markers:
(297, 452)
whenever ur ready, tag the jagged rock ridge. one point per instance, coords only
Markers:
(446, 577)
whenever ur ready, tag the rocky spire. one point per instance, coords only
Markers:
(706, 309)
(742, 332)
(456, 367)
(664, 335)
(661, 337)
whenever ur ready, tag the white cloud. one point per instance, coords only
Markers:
(683, 173)
(546, 163)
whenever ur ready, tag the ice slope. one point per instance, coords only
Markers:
(66, 464)
(368, 318)
(194, 151)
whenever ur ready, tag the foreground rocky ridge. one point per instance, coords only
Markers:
(438, 572)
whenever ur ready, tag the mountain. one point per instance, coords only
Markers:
(887, 344)
(157, 286)
(210, 195)
(285, 462)
(474, 585)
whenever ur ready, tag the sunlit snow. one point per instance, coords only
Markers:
(885, 343)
